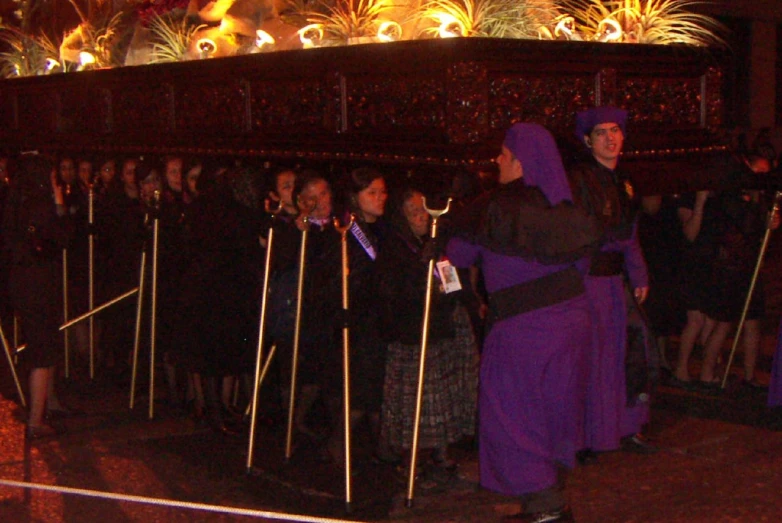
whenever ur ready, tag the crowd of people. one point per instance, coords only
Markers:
(538, 344)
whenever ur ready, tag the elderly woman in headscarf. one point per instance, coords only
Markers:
(527, 236)
(36, 228)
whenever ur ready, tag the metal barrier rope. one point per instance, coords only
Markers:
(173, 503)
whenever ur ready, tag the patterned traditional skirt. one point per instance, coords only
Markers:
(450, 390)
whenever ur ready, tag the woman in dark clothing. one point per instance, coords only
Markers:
(216, 302)
(36, 227)
(366, 199)
(122, 233)
(451, 378)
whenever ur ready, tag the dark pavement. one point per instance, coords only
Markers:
(720, 460)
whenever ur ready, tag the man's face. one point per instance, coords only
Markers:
(606, 140)
(510, 167)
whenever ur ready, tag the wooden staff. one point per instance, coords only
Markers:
(137, 332)
(262, 377)
(64, 311)
(751, 291)
(153, 313)
(98, 309)
(261, 330)
(11, 365)
(435, 214)
(296, 334)
(343, 231)
(91, 272)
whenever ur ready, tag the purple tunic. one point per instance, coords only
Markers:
(608, 418)
(532, 379)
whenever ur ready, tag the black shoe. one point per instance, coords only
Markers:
(42, 431)
(551, 516)
(673, 381)
(710, 388)
(637, 444)
(754, 384)
(586, 457)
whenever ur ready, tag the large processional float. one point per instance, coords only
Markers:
(405, 85)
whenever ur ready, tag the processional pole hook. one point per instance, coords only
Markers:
(261, 331)
(296, 337)
(435, 214)
(343, 231)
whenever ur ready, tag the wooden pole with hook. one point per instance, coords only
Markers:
(153, 310)
(91, 272)
(343, 231)
(99, 308)
(261, 332)
(296, 338)
(64, 311)
(751, 291)
(137, 331)
(435, 214)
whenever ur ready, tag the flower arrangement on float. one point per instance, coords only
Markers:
(157, 31)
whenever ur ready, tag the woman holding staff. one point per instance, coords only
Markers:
(451, 379)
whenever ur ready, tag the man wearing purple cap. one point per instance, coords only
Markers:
(617, 406)
(527, 236)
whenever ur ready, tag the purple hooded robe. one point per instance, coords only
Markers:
(532, 375)
(610, 414)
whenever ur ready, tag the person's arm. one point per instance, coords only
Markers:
(692, 219)
(636, 267)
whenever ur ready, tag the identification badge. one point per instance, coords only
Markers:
(449, 278)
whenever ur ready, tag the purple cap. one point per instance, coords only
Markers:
(537, 151)
(587, 120)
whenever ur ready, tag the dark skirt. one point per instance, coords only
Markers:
(450, 390)
(729, 292)
(36, 297)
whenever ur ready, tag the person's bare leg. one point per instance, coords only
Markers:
(229, 386)
(695, 321)
(708, 326)
(713, 349)
(39, 385)
(199, 403)
(750, 339)
(52, 400)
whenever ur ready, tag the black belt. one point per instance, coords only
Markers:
(607, 264)
(535, 294)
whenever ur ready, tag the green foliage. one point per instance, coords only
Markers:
(661, 22)
(488, 18)
(170, 38)
(347, 19)
(101, 40)
(27, 55)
